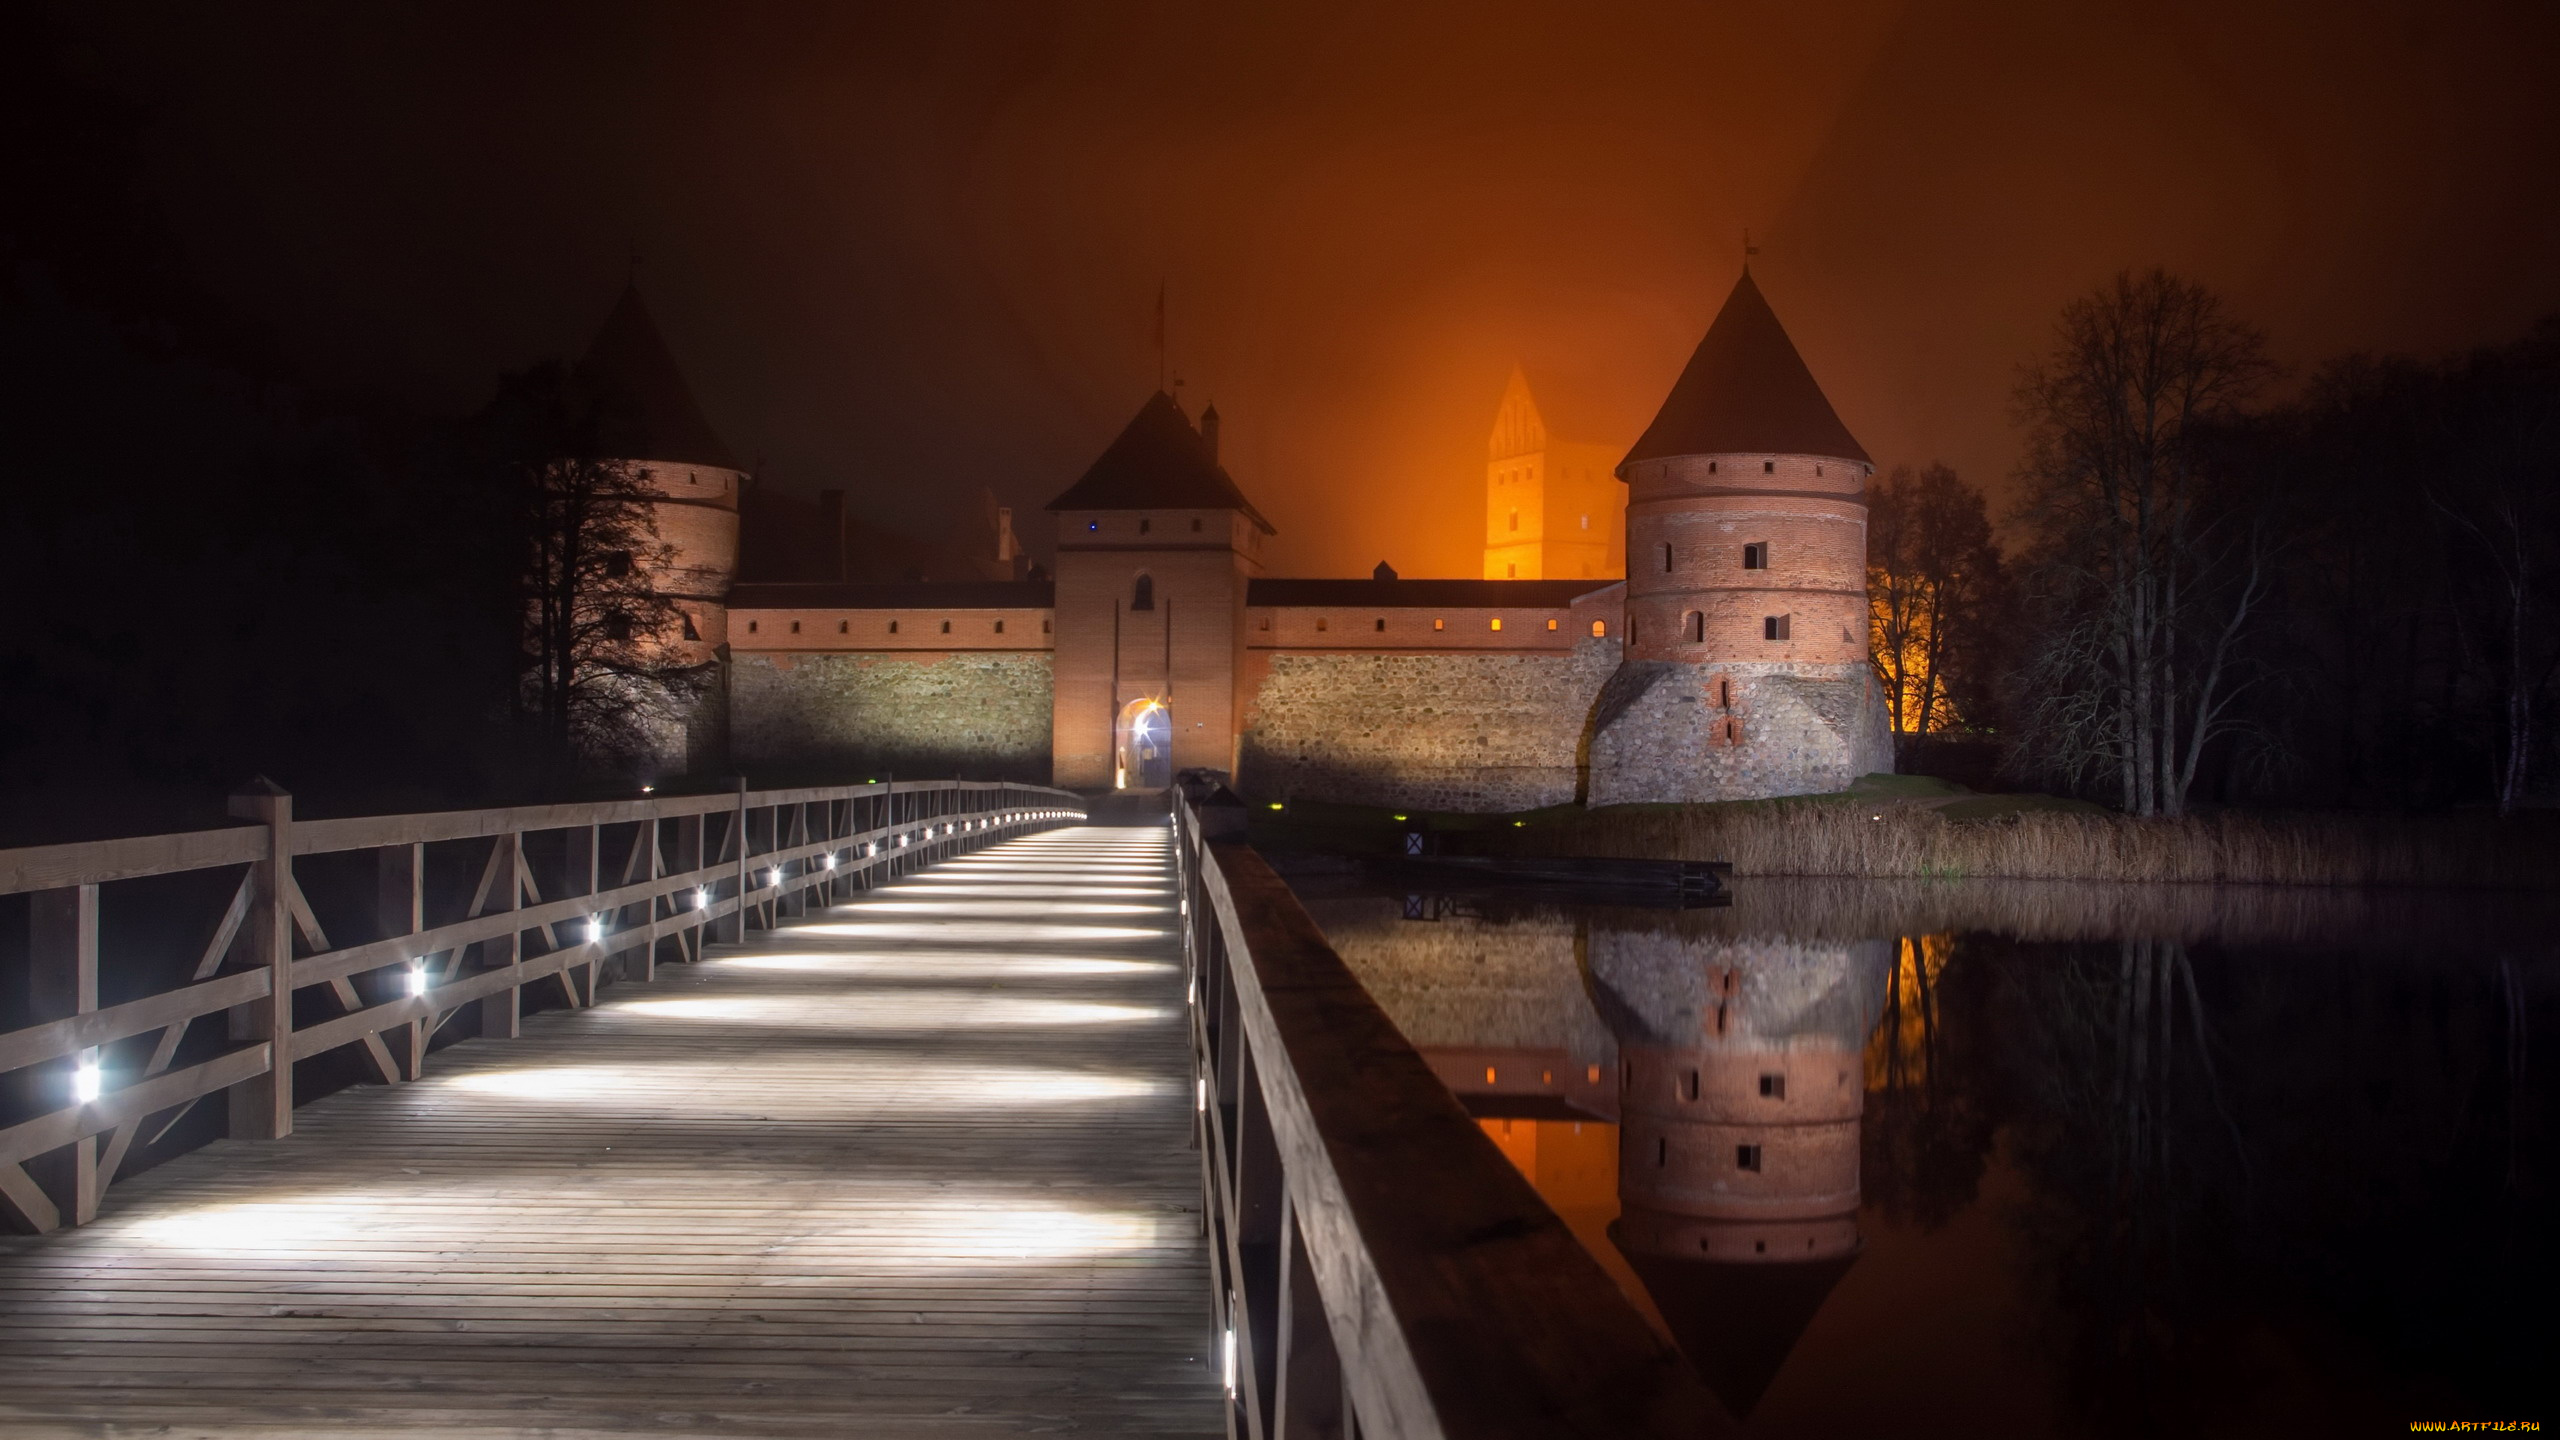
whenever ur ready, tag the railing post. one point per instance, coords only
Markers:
(641, 962)
(583, 878)
(693, 853)
(1310, 1399)
(62, 981)
(734, 927)
(400, 905)
(262, 1106)
(502, 1014)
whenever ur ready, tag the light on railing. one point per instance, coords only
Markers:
(1231, 1361)
(831, 860)
(701, 897)
(418, 977)
(595, 928)
(1200, 1095)
(773, 876)
(85, 1079)
(648, 789)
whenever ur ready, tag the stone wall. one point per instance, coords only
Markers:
(983, 714)
(1665, 731)
(1495, 731)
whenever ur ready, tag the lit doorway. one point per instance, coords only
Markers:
(1145, 760)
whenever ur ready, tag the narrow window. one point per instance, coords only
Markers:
(1143, 596)
(751, 627)
(690, 633)
(1773, 1087)
(1599, 629)
(1733, 732)
(1817, 471)
(1497, 622)
(844, 627)
(1666, 557)
(1724, 693)
(1510, 572)
(1711, 467)
(1044, 627)
(893, 627)
(1688, 1084)
(1145, 525)
(1515, 519)
(1551, 624)
(1774, 627)
(1439, 624)
(1263, 624)
(795, 627)
(1195, 527)
(946, 627)
(1768, 467)
(1382, 624)
(1755, 556)
(1693, 627)
(1747, 1157)
(1661, 1152)
(1320, 624)
(999, 627)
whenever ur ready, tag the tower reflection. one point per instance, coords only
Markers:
(1741, 1079)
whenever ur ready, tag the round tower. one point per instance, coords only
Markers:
(1745, 672)
(646, 419)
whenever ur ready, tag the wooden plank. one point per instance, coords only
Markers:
(95, 862)
(782, 1199)
(55, 1039)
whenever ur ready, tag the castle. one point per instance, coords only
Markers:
(1731, 663)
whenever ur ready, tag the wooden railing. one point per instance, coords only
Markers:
(1380, 1271)
(90, 1082)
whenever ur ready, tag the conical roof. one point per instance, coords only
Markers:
(1737, 1324)
(1746, 391)
(1158, 463)
(644, 408)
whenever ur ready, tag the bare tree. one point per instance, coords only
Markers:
(604, 662)
(1933, 577)
(2149, 576)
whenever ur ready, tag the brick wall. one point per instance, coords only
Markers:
(1496, 731)
(984, 714)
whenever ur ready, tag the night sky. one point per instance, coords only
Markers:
(917, 251)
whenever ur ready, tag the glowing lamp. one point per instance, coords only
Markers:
(701, 897)
(418, 977)
(773, 876)
(595, 928)
(1231, 1361)
(1200, 1094)
(831, 860)
(1275, 804)
(86, 1082)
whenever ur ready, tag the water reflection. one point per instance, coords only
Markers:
(1986, 1160)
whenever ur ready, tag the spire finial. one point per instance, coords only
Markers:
(1748, 249)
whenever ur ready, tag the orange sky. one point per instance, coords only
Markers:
(914, 257)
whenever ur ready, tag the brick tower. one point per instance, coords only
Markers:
(1552, 508)
(1155, 546)
(646, 417)
(1745, 673)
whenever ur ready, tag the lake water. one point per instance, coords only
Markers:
(1984, 1159)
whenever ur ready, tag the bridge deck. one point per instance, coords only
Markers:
(919, 1165)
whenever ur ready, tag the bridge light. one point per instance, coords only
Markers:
(418, 977)
(1231, 1361)
(831, 860)
(86, 1082)
(773, 876)
(1200, 1094)
(595, 928)
(701, 897)
(648, 789)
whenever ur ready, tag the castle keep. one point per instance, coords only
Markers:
(1730, 663)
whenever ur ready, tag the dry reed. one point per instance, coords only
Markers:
(1894, 840)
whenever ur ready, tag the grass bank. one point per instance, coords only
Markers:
(1907, 827)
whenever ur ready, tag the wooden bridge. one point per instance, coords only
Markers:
(847, 1112)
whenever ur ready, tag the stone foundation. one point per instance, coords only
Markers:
(1665, 731)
